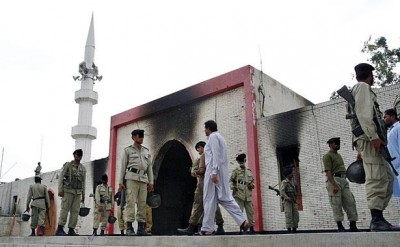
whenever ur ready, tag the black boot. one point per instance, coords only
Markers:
(190, 230)
(289, 229)
(102, 233)
(94, 232)
(33, 233)
(294, 230)
(60, 231)
(71, 232)
(251, 230)
(340, 226)
(122, 233)
(378, 223)
(141, 229)
(353, 226)
(220, 229)
(129, 230)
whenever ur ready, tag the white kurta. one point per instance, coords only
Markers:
(216, 160)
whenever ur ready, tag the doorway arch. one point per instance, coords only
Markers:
(176, 187)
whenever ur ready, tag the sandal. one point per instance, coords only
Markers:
(243, 228)
(204, 233)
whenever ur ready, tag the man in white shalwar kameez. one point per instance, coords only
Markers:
(216, 182)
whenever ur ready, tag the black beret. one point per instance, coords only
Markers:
(104, 177)
(363, 67)
(137, 132)
(241, 157)
(78, 152)
(37, 178)
(334, 139)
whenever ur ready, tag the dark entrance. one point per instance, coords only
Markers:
(176, 187)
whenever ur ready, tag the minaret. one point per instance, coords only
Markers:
(84, 132)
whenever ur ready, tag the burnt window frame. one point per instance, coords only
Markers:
(288, 157)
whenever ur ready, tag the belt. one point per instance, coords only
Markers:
(134, 170)
(340, 175)
(42, 197)
(242, 182)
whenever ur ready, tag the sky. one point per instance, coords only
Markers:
(149, 49)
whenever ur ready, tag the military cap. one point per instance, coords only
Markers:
(137, 132)
(363, 67)
(240, 157)
(334, 139)
(104, 177)
(78, 152)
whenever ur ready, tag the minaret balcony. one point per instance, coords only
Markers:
(86, 95)
(84, 131)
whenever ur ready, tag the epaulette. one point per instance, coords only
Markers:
(145, 148)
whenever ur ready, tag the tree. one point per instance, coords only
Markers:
(384, 60)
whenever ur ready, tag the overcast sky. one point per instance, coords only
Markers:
(149, 49)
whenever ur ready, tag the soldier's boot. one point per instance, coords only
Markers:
(71, 232)
(60, 231)
(129, 230)
(33, 233)
(340, 226)
(294, 230)
(94, 232)
(41, 230)
(378, 223)
(190, 230)
(353, 226)
(102, 233)
(289, 229)
(141, 229)
(220, 229)
(251, 230)
(122, 233)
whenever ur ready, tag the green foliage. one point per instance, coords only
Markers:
(384, 60)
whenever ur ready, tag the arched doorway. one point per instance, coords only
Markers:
(176, 187)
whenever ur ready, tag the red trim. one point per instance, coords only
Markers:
(252, 147)
(112, 160)
(234, 79)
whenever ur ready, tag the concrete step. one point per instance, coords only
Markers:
(359, 239)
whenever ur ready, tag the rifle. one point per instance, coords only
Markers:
(345, 93)
(278, 193)
(123, 197)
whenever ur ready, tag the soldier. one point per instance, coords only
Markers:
(71, 187)
(288, 195)
(137, 171)
(38, 169)
(197, 171)
(242, 184)
(378, 174)
(103, 203)
(121, 217)
(40, 203)
(340, 196)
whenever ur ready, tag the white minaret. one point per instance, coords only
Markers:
(84, 132)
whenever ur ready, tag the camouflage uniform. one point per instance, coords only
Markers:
(287, 191)
(241, 182)
(72, 182)
(103, 203)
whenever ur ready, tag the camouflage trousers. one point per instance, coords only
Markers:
(291, 214)
(248, 207)
(100, 216)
